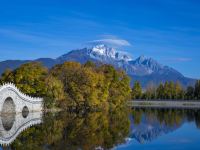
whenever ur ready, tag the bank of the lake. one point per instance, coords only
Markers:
(165, 103)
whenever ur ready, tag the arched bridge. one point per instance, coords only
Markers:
(14, 101)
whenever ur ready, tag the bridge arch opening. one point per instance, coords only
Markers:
(25, 111)
(8, 114)
(8, 106)
(8, 121)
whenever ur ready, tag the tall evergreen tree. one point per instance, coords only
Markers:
(171, 90)
(179, 92)
(136, 91)
(189, 93)
(160, 92)
(197, 90)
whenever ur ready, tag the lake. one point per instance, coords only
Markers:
(136, 128)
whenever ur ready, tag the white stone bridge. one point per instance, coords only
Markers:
(14, 101)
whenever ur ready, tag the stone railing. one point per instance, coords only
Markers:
(12, 87)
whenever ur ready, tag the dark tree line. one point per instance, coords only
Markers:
(168, 117)
(167, 90)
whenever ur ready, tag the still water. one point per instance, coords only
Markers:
(174, 129)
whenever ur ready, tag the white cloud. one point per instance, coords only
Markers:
(111, 41)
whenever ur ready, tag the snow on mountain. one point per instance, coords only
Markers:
(103, 52)
(140, 66)
(146, 65)
(142, 69)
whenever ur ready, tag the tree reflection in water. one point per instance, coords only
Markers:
(88, 131)
(149, 124)
(76, 131)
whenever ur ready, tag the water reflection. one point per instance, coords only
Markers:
(72, 131)
(8, 121)
(12, 124)
(92, 130)
(150, 124)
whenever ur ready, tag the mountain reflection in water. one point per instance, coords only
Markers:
(92, 130)
(149, 124)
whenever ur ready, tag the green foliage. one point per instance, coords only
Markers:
(82, 85)
(167, 117)
(54, 92)
(160, 92)
(136, 91)
(90, 86)
(168, 90)
(29, 78)
(118, 85)
(90, 64)
(72, 85)
(189, 93)
(197, 90)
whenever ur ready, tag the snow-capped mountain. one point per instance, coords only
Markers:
(103, 53)
(142, 69)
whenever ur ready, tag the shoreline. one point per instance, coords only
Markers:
(165, 103)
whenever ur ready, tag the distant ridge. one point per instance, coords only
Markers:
(143, 69)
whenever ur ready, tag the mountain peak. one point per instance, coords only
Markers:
(102, 52)
(147, 61)
(141, 59)
(143, 69)
(147, 65)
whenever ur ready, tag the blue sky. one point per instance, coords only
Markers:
(167, 30)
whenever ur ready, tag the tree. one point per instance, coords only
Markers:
(83, 86)
(29, 78)
(197, 90)
(171, 90)
(54, 92)
(150, 91)
(90, 64)
(7, 76)
(189, 93)
(168, 90)
(179, 92)
(118, 85)
(72, 85)
(136, 91)
(160, 92)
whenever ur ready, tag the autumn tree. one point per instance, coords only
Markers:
(54, 92)
(118, 85)
(179, 92)
(72, 84)
(29, 78)
(150, 92)
(82, 85)
(160, 91)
